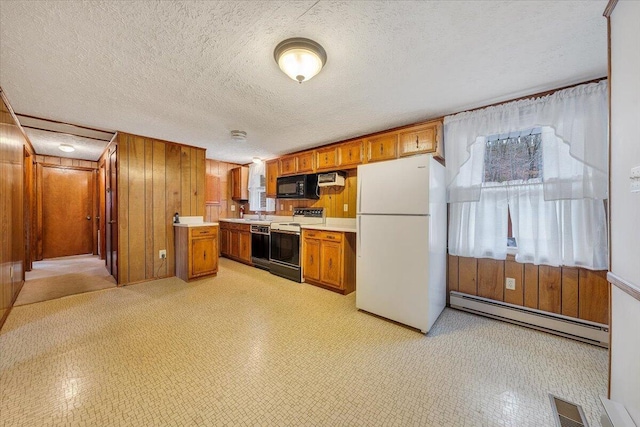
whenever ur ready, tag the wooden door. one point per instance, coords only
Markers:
(331, 272)
(311, 251)
(102, 206)
(288, 165)
(305, 162)
(326, 158)
(204, 257)
(111, 214)
(245, 246)
(67, 200)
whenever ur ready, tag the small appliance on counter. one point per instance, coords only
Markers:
(286, 242)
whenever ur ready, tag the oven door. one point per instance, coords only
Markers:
(285, 247)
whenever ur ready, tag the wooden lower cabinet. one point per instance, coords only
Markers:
(329, 260)
(235, 241)
(196, 251)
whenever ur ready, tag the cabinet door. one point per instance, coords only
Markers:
(311, 251)
(350, 154)
(288, 165)
(418, 140)
(384, 147)
(272, 176)
(212, 189)
(331, 270)
(305, 162)
(239, 183)
(205, 256)
(225, 241)
(234, 243)
(326, 158)
(245, 246)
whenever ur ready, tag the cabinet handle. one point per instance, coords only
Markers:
(330, 237)
(330, 262)
(381, 149)
(326, 158)
(417, 146)
(205, 254)
(349, 154)
(311, 259)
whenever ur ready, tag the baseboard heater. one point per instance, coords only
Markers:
(569, 327)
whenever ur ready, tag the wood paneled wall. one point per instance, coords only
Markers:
(218, 185)
(12, 143)
(570, 291)
(155, 180)
(332, 199)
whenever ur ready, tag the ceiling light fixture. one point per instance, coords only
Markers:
(257, 160)
(300, 58)
(66, 148)
(238, 135)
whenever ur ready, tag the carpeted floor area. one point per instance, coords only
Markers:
(60, 277)
(249, 348)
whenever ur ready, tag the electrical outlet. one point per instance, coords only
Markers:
(11, 272)
(281, 206)
(233, 208)
(162, 254)
(290, 207)
(345, 207)
(511, 283)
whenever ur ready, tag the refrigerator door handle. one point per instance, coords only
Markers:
(359, 237)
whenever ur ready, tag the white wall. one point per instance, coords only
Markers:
(625, 206)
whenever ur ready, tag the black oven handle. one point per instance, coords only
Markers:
(285, 232)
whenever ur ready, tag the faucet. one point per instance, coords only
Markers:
(259, 215)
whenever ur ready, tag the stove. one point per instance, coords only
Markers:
(286, 243)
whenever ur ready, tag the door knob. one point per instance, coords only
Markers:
(88, 217)
(112, 222)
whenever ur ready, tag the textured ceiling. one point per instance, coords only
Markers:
(193, 71)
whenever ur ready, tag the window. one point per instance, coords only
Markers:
(513, 157)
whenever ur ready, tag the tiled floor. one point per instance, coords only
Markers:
(249, 348)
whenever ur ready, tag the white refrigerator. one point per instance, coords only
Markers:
(402, 240)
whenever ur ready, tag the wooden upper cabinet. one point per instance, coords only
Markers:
(272, 177)
(305, 162)
(212, 189)
(382, 147)
(421, 139)
(288, 165)
(350, 154)
(326, 158)
(240, 183)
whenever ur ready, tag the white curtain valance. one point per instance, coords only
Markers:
(578, 116)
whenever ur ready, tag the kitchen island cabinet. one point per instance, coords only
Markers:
(329, 259)
(235, 241)
(196, 251)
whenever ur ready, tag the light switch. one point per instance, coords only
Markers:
(345, 207)
(233, 208)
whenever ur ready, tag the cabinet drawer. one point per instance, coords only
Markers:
(203, 231)
(312, 234)
(334, 236)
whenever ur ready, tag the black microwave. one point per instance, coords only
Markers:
(298, 187)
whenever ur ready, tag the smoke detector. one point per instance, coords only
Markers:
(238, 135)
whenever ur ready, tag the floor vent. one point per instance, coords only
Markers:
(567, 414)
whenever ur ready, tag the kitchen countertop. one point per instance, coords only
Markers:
(345, 225)
(246, 221)
(200, 224)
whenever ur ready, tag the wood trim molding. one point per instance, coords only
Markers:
(13, 114)
(66, 133)
(624, 285)
(53, 165)
(64, 123)
(609, 9)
